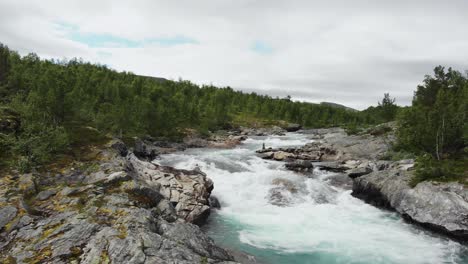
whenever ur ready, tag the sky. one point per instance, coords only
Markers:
(342, 51)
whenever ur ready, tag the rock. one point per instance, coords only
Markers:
(284, 193)
(145, 150)
(281, 155)
(214, 202)
(120, 147)
(27, 184)
(144, 196)
(7, 214)
(187, 190)
(67, 191)
(300, 165)
(331, 166)
(266, 155)
(44, 195)
(293, 127)
(441, 207)
(358, 172)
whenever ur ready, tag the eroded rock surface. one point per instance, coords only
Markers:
(441, 207)
(119, 210)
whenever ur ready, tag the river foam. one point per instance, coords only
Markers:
(320, 223)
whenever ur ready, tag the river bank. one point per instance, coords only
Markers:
(144, 204)
(286, 214)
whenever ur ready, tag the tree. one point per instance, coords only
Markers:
(388, 108)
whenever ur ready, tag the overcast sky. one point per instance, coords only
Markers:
(348, 52)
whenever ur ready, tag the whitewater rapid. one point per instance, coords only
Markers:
(320, 224)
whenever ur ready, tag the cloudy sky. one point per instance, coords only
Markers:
(348, 52)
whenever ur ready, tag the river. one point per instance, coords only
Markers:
(318, 222)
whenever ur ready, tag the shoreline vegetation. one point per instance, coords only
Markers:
(57, 110)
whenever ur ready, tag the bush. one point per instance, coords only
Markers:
(430, 169)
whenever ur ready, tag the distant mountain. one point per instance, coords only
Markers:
(339, 106)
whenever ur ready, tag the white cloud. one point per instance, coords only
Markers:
(349, 52)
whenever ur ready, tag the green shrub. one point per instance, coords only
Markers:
(430, 169)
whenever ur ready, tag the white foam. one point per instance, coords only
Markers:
(343, 225)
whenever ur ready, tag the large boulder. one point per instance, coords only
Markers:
(441, 207)
(292, 127)
(187, 190)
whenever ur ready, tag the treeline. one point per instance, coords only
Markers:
(435, 127)
(44, 101)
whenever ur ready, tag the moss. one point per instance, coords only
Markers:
(49, 231)
(104, 257)
(9, 260)
(204, 260)
(122, 232)
(41, 256)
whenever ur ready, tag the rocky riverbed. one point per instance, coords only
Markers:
(121, 210)
(439, 207)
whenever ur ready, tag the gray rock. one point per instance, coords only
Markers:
(300, 165)
(7, 214)
(120, 147)
(358, 172)
(187, 190)
(293, 127)
(44, 195)
(441, 207)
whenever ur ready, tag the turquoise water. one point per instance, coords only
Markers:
(315, 222)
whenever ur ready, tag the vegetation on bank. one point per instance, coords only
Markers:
(57, 110)
(47, 104)
(435, 127)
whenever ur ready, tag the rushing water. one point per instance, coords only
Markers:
(321, 223)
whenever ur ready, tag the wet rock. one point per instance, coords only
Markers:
(331, 166)
(7, 214)
(300, 166)
(358, 172)
(282, 155)
(214, 202)
(284, 192)
(44, 195)
(442, 207)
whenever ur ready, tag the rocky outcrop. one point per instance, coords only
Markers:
(119, 210)
(188, 191)
(442, 207)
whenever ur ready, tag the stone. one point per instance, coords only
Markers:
(44, 195)
(214, 202)
(281, 155)
(300, 165)
(293, 127)
(119, 146)
(7, 214)
(358, 172)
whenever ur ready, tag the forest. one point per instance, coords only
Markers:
(44, 104)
